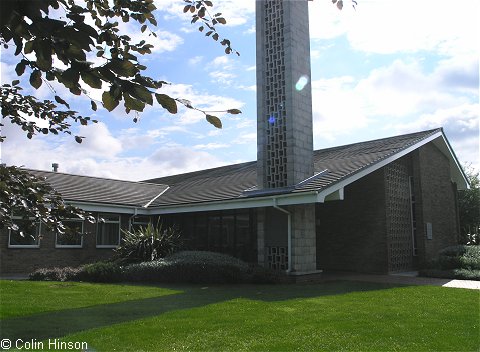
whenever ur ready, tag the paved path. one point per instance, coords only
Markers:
(404, 280)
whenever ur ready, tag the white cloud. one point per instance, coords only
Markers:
(202, 101)
(210, 146)
(235, 12)
(195, 60)
(389, 26)
(335, 100)
(101, 154)
(461, 125)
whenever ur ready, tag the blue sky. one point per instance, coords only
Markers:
(386, 68)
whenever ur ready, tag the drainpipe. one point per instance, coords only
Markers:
(289, 236)
(135, 212)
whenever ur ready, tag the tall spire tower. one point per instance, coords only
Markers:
(284, 98)
(286, 235)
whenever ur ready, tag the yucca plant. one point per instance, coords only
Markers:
(148, 243)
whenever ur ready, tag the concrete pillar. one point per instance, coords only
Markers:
(304, 250)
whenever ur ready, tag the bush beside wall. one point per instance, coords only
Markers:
(456, 262)
(181, 267)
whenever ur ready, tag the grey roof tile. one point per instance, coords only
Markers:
(230, 182)
(227, 182)
(101, 190)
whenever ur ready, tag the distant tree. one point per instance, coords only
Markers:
(469, 209)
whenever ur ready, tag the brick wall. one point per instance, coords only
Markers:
(351, 233)
(25, 260)
(436, 202)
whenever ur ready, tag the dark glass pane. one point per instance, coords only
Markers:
(72, 235)
(201, 232)
(108, 234)
(243, 236)
(215, 234)
(27, 235)
(228, 234)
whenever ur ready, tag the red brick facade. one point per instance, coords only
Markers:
(360, 233)
(25, 260)
(353, 234)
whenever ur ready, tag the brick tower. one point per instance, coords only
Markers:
(284, 98)
(286, 235)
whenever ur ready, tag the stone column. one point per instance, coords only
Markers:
(304, 250)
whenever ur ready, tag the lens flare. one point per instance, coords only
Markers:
(271, 120)
(301, 83)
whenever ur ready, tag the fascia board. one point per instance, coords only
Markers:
(456, 171)
(358, 175)
(107, 208)
(290, 199)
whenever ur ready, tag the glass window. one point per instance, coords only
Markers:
(228, 234)
(108, 231)
(27, 236)
(73, 236)
(215, 233)
(139, 222)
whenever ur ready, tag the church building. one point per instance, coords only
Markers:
(381, 206)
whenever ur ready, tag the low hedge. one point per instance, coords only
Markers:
(455, 262)
(460, 257)
(460, 274)
(95, 272)
(181, 267)
(55, 274)
(191, 267)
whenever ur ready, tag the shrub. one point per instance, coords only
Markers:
(191, 267)
(148, 244)
(200, 267)
(471, 258)
(458, 257)
(55, 274)
(100, 272)
(456, 262)
(461, 274)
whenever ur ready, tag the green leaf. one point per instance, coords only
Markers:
(94, 105)
(36, 79)
(109, 102)
(20, 68)
(221, 20)
(234, 111)
(141, 93)
(214, 121)
(78, 139)
(15, 82)
(122, 67)
(167, 103)
(132, 103)
(61, 101)
(91, 79)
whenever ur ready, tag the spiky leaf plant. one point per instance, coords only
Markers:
(149, 243)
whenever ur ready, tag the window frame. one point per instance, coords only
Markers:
(66, 246)
(132, 222)
(38, 229)
(99, 216)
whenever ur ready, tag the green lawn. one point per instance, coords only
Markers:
(330, 316)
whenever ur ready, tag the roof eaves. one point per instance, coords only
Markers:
(377, 164)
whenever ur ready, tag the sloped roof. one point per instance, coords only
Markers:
(334, 167)
(101, 190)
(230, 182)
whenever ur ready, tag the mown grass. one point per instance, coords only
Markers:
(20, 298)
(330, 316)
